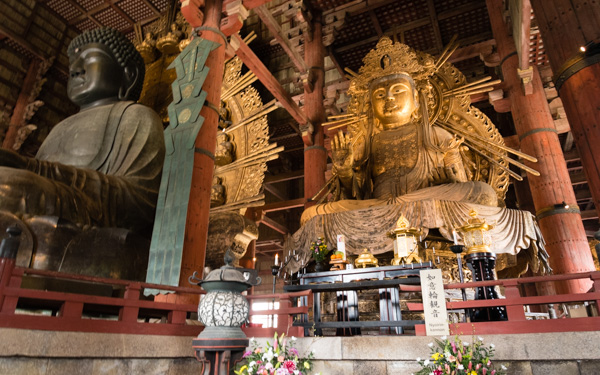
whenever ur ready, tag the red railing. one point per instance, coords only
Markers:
(515, 305)
(127, 312)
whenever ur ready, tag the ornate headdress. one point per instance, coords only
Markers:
(391, 58)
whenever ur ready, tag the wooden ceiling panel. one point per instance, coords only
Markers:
(466, 25)
(395, 14)
(64, 8)
(353, 57)
(448, 5)
(356, 28)
(136, 10)
(161, 5)
(110, 18)
(325, 5)
(90, 4)
(86, 24)
(421, 38)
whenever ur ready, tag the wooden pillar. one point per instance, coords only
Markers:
(315, 155)
(196, 231)
(567, 25)
(562, 229)
(16, 121)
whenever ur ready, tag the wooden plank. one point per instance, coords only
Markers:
(473, 50)
(274, 225)
(436, 26)
(266, 77)
(286, 205)
(284, 42)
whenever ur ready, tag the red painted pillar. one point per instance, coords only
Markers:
(196, 231)
(16, 121)
(566, 25)
(315, 155)
(563, 230)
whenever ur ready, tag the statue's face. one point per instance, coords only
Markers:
(94, 75)
(393, 101)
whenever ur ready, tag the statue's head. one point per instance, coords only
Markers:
(394, 99)
(104, 67)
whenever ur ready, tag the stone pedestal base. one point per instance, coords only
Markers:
(219, 356)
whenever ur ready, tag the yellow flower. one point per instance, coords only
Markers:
(437, 356)
(473, 373)
(306, 365)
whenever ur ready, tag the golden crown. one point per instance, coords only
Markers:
(391, 58)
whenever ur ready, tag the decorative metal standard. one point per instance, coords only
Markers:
(223, 310)
(481, 261)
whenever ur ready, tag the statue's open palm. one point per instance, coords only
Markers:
(341, 152)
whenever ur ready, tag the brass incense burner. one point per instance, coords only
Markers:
(366, 259)
(405, 242)
(475, 234)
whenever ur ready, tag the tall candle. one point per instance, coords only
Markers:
(276, 259)
(454, 236)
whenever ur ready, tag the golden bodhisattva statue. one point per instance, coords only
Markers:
(414, 146)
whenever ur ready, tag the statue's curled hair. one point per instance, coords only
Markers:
(123, 50)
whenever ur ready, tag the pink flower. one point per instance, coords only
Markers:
(493, 372)
(294, 351)
(453, 347)
(470, 365)
(289, 365)
(257, 350)
(437, 372)
(280, 358)
(247, 354)
(459, 356)
(478, 366)
(484, 370)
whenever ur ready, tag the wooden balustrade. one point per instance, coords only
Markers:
(128, 312)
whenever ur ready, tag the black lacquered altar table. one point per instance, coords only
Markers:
(346, 283)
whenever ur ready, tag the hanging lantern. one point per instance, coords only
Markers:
(405, 242)
(475, 234)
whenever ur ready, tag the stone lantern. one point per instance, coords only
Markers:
(222, 311)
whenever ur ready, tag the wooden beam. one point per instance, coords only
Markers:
(88, 14)
(21, 41)
(266, 77)
(375, 23)
(275, 191)
(589, 215)
(120, 12)
(436, 26)
(474, 50)
(251, 4)
(274, 225)
(281, 206)
(152, 7)
(477, 4)
(578, 178)
(336, 63)
(275, 29)
(281, 177)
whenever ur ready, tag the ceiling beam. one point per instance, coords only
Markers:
(152, 7)
(376, 24)
(271, 23)
(477, 4)
(436, 26)
(120, 12)
(274, 225)
(275, 191)
(281, 177)
(281, 206)
(473, 50)
(88, 14)
(266, 78)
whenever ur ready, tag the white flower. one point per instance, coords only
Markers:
(418, 359)
(492, 346)
(465, 343)
(269, 366)
(503, 367)
(252, 339)
(294, 338)
(446, 354)
(460, 367)
(443, 337)
(426, 363)
(480, 338)
(431, 373)
(430, 345)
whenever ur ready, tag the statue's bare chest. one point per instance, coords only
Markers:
(394, 150)
(76, 140)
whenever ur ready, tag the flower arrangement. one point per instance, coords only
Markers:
(318, 250)
(459, 358)
(276, 359)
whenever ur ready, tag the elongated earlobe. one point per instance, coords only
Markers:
(131, 77)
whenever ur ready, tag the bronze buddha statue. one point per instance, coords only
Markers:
(101, 166)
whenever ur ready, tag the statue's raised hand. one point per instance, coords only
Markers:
(9, 158)
(341, 153)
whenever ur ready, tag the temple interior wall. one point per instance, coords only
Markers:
(48, 352)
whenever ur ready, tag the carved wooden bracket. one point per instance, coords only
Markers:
(190, 9)
(500, 103)
(526, 76)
